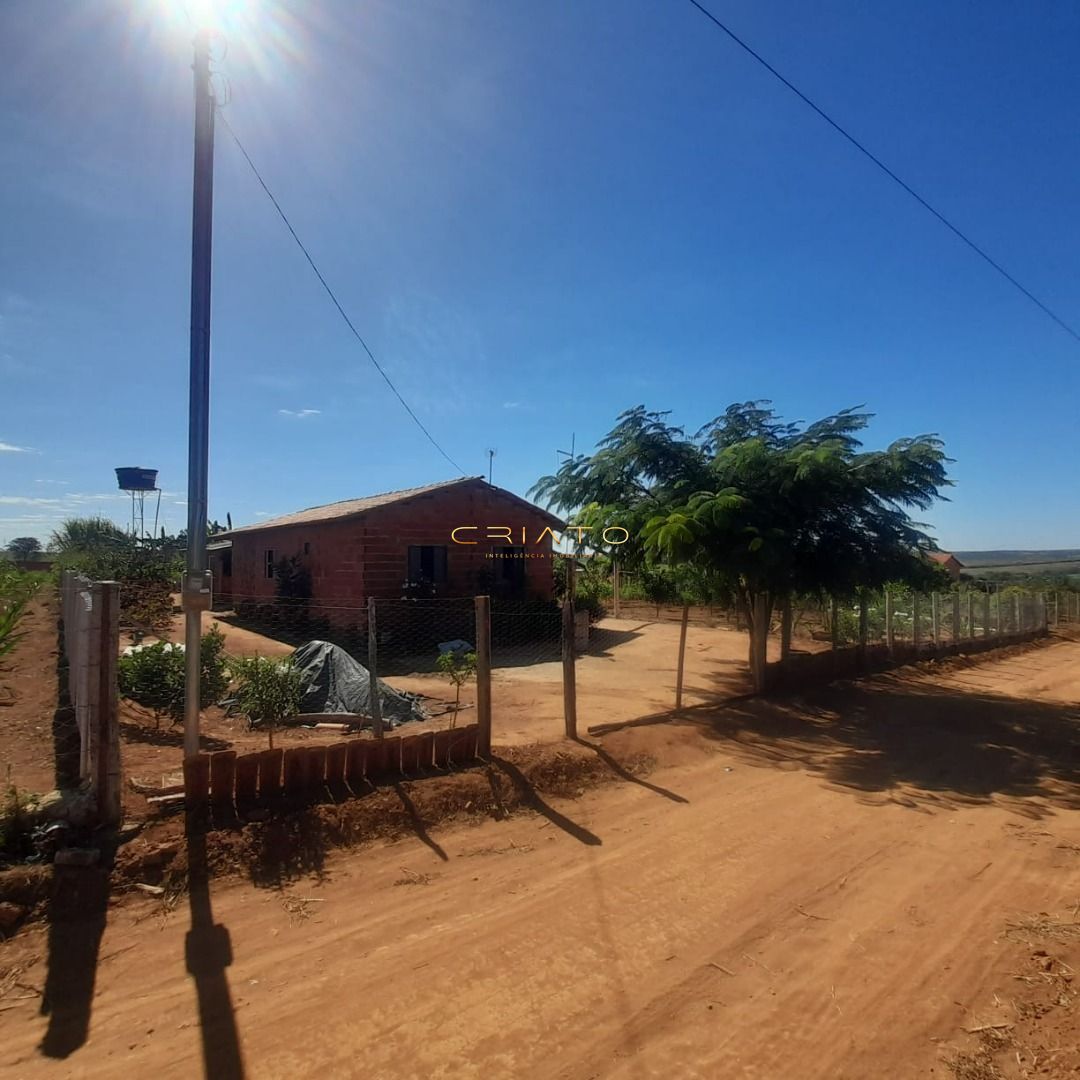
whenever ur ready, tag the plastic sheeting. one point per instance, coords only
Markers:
(336, 683)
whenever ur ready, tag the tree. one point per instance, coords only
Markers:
(762, 507)
(89, 535)
(23, 547)
(459, 668)
(268, 690)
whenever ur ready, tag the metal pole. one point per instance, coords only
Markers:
(196, 585)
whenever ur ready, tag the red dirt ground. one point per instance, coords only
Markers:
(877, 879)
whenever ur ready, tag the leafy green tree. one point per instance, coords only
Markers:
(761, 507)
(23, 547)
(89, 535)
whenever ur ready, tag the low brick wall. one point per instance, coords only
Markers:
(811, 669)
(312, 773)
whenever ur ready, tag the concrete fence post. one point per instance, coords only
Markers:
(373, 669)
(107, 776)
(916, 629)
(569, 672)
(986, 613)
(834, 621)
(1018, 614)
(482, 606)
(935, 618)
(956, 627)
(890, 638)
(971, 614)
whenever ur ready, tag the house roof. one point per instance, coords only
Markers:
(944, 558)
(353, 508)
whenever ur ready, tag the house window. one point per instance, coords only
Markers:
(427, 562)
(269, 562)
(510, 568)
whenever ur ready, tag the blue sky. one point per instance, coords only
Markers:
(538, 215)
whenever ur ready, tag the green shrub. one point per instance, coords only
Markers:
(153, 675)
(267, 691)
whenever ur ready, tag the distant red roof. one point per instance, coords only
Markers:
(945, 558)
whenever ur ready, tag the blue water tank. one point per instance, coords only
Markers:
(137, 479)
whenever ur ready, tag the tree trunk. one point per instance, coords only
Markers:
(785, 628)
(760, 611)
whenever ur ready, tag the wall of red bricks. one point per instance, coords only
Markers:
(368, 556)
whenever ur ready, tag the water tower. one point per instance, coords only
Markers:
(137, 482)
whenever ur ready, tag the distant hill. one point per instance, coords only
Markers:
(1063, 562)
(1013, 558)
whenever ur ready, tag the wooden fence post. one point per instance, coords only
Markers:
(373, 670)
(916, 630)
(956, 627)
(108, 779)
(682, 657)
(890, 636)
(615, 588)
(483, 676)
(569, 674)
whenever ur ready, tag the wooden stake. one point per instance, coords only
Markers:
(373, 670)
(483, 676)
(682, 657)
(569, 673)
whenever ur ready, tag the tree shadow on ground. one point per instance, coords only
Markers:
(531, 799)
(168, 736)
(912, 742)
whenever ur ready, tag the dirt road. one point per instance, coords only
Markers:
(813, 888)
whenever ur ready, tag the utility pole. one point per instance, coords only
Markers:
(195, 592)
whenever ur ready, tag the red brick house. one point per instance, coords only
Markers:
(949, 562)
(396, 544)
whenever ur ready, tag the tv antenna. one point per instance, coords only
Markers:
(491, 457)
(568, 454)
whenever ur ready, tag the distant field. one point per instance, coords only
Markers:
(1062, 561)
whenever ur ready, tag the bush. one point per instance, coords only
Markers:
(153, 675)
(268, 691)
(148, 579)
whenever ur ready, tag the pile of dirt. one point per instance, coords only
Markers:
(283, 845)
(1035, 1034)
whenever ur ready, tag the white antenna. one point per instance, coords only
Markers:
(491, 457)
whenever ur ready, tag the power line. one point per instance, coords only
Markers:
(330, 292)
(885, 169)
